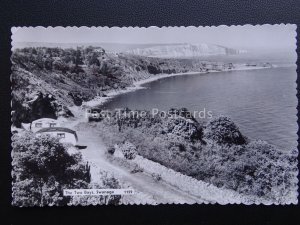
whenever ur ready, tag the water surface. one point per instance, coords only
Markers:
(262, 102)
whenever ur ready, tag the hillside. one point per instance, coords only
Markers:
(46, 81)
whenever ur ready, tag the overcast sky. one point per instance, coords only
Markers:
(242, 37)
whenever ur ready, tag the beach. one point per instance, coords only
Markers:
(98, 101)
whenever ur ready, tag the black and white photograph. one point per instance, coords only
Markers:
(154, 115)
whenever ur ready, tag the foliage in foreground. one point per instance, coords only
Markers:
(225, 159)
(43, 168)
(108, 182)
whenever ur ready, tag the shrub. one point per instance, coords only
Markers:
(111, 150)
(257, 169)
(60, 65)
(107, 182)
(156, 176)
(223, 131)
(183, 127)
(128, 150)
(42, 168)
(153, 69)
(136, 169)
(267, 171)
(253, 168)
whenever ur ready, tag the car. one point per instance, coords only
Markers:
(94, 115)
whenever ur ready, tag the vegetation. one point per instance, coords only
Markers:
(71, 76)
(128, 150)
(223, 131)
(46, 81)
(107, 181)
(43, 168)
(221, 156)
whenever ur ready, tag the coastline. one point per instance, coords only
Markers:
(137, 85)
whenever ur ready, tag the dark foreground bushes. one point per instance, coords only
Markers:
(223, 156)
(107, 181)
(43, 168)
(257, 168)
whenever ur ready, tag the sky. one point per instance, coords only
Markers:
(240, 37)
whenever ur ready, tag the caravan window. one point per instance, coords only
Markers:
(38, 125)
(61, 135)
(52, 124)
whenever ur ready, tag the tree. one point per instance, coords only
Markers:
(48, 63)
(224, 131)
(60, 65)
(128, 150)
(42, 168)
(40, 60)
(93, 60)
(78, 58)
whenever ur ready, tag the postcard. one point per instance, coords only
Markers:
(170, 115)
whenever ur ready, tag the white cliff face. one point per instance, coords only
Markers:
(183, 51)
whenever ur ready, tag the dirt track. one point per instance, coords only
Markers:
(147, 189)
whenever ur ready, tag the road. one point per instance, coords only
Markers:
(147, 190)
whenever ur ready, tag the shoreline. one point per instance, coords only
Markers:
(137, 85)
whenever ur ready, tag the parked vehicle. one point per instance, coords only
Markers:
(94, 114)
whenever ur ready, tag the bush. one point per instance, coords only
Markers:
(128, 150)
(223, 131)
(107, 182)
(185, 128)
(268, 172)
(254, 168)
(42, 168)
(156, 177)
(153, 69)
(136, 169)
(257, 169)
(111, 150)
(60, 65)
